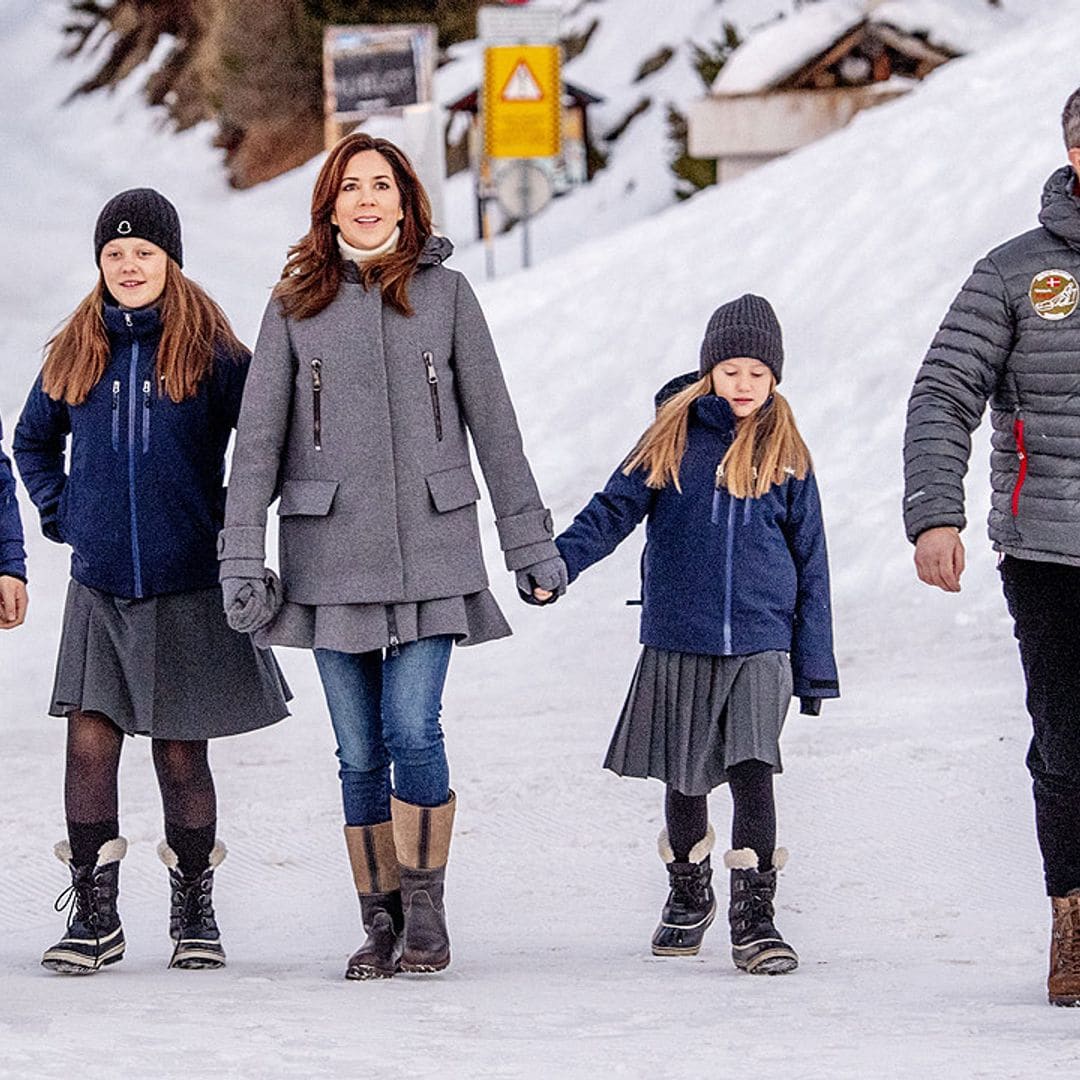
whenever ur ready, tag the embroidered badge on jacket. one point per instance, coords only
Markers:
(1054, 294)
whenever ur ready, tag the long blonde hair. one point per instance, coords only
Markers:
(192, 327)
(766, 450)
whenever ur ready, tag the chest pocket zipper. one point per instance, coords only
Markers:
(316, 401)
(116, 414)
(433, 388)
(146, 416)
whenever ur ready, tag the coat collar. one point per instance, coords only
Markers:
(714, 412)
(436, 250)
(138, 322)
(1060, 212)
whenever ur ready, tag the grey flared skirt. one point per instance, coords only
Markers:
(688, 717)
(165, 666)
(359, 628)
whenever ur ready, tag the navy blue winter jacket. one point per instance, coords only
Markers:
(12, 555)
(721, 576)
(144, 497)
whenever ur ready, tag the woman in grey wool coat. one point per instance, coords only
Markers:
(372, 366)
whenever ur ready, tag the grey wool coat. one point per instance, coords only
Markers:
(356, 418)
(1011, 336)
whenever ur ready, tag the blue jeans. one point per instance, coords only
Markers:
(386, 712)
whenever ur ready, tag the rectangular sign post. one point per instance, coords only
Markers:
(375, 69)
(521, 103)
(522, 106)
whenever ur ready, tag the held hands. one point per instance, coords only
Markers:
(13, 602)
(543, 582)
(251, 603)
(939, 557)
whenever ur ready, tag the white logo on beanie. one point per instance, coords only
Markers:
(124, 227)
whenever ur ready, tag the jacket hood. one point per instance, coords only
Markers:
(436, 250)
(1060, 212)
(673, 386)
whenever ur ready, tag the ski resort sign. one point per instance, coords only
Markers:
(522, 107)
(377, 69)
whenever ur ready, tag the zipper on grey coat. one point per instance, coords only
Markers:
(136, 563)
(146, 416)
(116, 414)
(316, 401)
(433, 387)
(391, 627)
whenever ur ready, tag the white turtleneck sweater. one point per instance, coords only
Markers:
(363, 255)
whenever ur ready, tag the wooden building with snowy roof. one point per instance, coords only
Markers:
(808, 74)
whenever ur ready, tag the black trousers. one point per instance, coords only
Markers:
(1044, 601)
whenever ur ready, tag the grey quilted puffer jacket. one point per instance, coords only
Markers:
(1011, 337)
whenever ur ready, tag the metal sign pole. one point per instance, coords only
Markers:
(526, 202)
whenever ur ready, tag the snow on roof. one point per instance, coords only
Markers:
(783, 47)
(959, 26)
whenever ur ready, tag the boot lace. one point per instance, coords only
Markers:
(192, 900)
(1067, 936)
(78, 901)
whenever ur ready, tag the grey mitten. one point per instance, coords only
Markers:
(549, 574)
(251, 603)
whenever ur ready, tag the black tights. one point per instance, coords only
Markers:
(753, 821)
(91, 800)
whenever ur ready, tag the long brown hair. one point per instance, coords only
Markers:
(312, 273)
(192, 328)
(767, 447)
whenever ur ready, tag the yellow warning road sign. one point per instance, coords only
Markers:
(522, 110)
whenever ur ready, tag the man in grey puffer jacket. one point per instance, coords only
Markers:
(1012, 337)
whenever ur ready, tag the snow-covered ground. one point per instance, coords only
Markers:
(913, 893)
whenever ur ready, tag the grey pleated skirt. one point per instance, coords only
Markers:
(688, 717)
(166, 666)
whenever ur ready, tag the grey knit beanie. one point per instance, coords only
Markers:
(143, 213)
(744, 327)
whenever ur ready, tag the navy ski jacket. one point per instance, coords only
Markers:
(12, 555)
(144, 498)
(720, 576)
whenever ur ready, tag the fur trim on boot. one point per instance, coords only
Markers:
(697, 852)
(94, 936)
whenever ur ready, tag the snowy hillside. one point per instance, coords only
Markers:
(913, 892)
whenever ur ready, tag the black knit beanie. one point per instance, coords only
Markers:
(744, 327)
(143, 213)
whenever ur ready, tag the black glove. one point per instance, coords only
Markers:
(810, 706)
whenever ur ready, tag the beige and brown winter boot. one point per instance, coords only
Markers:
(1063, 985)
(422, 840)
(375, 872)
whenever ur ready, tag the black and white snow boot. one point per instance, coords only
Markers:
(691, 905)
(756, 945)
(94, 936)
(192, 924)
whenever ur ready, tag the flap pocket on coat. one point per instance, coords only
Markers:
(311, 497)
(453, 488)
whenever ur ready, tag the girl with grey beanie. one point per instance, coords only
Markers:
(735, 620)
